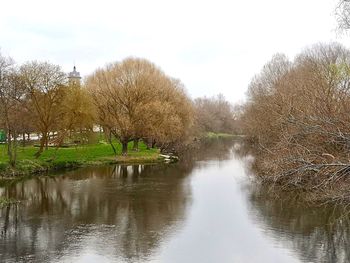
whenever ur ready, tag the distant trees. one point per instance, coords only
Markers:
(298, 115)
(135, 99)
(214, 114)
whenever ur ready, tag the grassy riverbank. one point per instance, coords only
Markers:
(54, 159)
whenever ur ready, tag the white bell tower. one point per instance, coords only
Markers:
(74, 77)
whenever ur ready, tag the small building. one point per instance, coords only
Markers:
(74, 77)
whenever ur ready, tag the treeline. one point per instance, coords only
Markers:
(215, 114)
(297, 114)
(131, 100)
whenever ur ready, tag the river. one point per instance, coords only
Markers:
(204, 208)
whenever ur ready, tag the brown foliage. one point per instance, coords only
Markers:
(297, 114)
(214, 115)
(135, 99)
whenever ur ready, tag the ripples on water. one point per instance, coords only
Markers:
(202, 209)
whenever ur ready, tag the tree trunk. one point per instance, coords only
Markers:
(24, 139)
(135, 147)
(14, 150)
(8, 142)
(109, 138)
(9, 147)
(147, 141)
(124, 148)
(43, 141)
(153, 143)
(114, 150)
(47, 137)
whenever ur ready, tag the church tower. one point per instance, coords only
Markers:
(74, 77)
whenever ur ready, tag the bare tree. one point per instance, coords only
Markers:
(214, 114)
(44, 85)
(11, 108)
(342, 13)
(298, 117)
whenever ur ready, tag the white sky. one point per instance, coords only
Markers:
(212, 46)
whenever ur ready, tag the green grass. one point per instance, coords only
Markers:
(53, 158)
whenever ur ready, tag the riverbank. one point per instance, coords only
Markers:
(61, 158)
(313, 181)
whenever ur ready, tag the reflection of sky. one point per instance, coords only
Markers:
(218, 228)
(165, 215)
(93, 212)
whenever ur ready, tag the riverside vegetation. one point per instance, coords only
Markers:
(91, 154)
(297, 116)
(136, 106)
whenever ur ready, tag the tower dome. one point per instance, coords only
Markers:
(74, 77)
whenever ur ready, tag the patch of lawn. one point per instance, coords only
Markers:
(89, 154)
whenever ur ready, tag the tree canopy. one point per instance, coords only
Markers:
(135, 99)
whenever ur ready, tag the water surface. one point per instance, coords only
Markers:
(202, 209)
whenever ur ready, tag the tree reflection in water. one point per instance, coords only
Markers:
(125, 209)
(120, 213)
(316, 233)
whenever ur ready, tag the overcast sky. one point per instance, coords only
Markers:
(212, 46)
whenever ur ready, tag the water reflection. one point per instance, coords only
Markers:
(211, 149)
(114, 213)
(129, 207)
(316, 233)
(198, 210)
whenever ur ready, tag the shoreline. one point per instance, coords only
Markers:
(11, 174)
(84, 156)
(69, 158)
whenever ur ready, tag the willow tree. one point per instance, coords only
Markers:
(78, 112)
(168, 118)
(135, 99)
